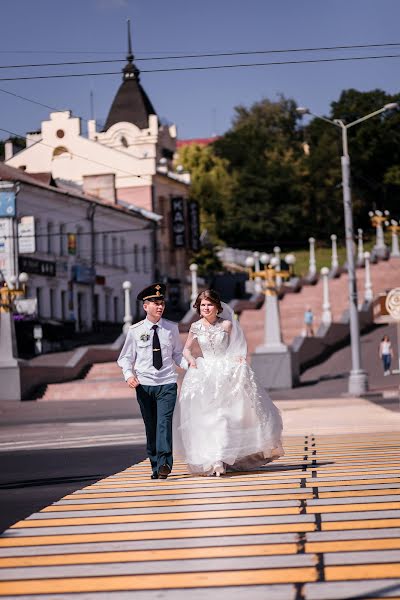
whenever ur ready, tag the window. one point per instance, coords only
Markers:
(39, 299)
(107, 300)
(114, 251)
(62, 240)
(50, 231)
(52, 302)
(63, 305)
(97, 248)
(144, 259)
(136, 258)
(105, 249)
(79, 240)
(116, 309)
(38, 237)
(122, 257)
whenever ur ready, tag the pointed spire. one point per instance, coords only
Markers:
(130, 70)
(130, 56)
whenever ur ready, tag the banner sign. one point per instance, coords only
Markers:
(36, 266)
(194, 225)
(83, 274)
(178, 222)
(26, 235)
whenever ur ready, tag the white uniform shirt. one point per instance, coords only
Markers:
(136, 358)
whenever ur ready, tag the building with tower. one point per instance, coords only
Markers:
(128, 162)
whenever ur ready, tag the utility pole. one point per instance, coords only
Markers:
(90, 216)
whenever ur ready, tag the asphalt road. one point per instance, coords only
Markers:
(31, 480)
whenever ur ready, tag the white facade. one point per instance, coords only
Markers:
(121, 240)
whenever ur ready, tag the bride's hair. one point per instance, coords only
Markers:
(212, 297)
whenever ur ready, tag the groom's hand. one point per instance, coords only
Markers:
(133, 382)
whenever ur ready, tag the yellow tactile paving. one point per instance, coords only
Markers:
(146, 555)
(87, 538)
(180, 502)
(369, 462)
(156, 517)
(162, 581)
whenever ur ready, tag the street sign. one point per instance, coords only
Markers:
(25, 306)
(26, 235)
(393, 307)
(178, 221)
(7, 267)
(7, 203)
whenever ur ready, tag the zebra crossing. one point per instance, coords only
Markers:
(321, 523)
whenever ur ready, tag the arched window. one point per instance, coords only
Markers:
(59, 150)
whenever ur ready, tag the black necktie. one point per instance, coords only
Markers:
(157, 358)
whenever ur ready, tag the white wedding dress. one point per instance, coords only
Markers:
(222, 414)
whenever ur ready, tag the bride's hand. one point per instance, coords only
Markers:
(192, 363)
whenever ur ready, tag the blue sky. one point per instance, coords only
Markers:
(200, 103)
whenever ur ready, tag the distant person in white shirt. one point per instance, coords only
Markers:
(386, 354)
(151, 350)
(308, 322)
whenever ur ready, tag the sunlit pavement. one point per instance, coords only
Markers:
(321, 523)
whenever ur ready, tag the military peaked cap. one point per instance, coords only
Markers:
(156, 291)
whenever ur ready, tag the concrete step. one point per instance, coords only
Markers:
(104, 371)
(87, 390)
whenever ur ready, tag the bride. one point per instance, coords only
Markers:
(223, 419)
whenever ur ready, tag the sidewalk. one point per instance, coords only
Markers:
(321, 523)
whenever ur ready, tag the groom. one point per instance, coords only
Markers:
(147, 359)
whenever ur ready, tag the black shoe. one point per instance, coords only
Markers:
(163, 472)
(154, 476)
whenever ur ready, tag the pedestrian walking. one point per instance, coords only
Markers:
(386, 354)
(308, 322)
(151, 350)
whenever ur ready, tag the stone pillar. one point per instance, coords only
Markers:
(195, 290)
(360, 248)
(256, 256)
(368, 292)
(395, 252)
(10, 388)
(312, 268)
(326, 305)
(334, 259)
(126, 286)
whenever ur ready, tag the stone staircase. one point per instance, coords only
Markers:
(384, 275)
(103, 381)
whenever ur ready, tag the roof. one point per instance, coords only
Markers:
(131, 103)
(8, 173)
(196, 141)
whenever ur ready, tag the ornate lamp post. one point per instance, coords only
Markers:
(312, 268)
(126, 286)
(272, 327)
(334, 259)
(358, 380)
(395, 229)
(368, 293)
(360, 248)
(378, 219)
(326, 305)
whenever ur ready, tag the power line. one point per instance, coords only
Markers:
(206, 55)
(209, 68)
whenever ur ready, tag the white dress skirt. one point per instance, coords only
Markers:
(222, 414)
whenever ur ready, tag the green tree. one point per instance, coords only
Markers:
(264, 153)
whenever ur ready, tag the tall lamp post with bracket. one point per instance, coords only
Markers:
(358, 378)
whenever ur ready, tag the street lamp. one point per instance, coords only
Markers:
(358, 380)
